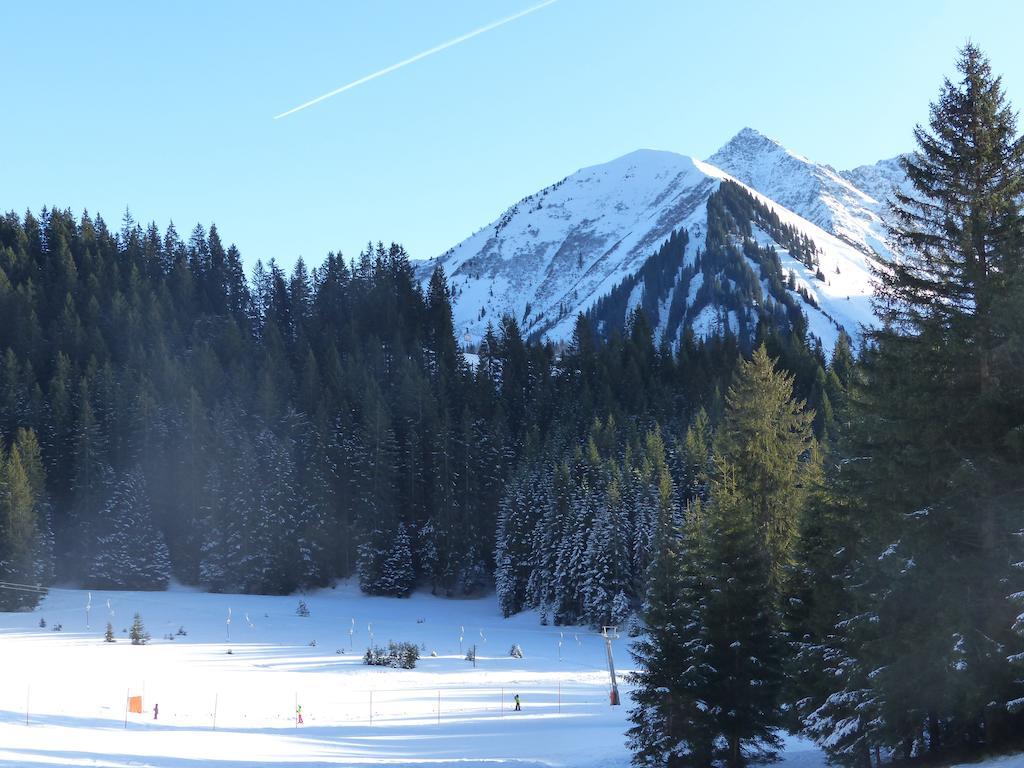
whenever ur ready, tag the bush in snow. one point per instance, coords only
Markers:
(303, 609)
(515, 651)
(399, 655)
(108, 636)
(471, 654)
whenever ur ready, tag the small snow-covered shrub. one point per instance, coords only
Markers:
(515, 651)
(471, 654)
(399, 655)
(303, 609)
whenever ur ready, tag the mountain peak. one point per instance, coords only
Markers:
(748, 145)
(749, 134)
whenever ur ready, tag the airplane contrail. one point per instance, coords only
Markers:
(417, 57)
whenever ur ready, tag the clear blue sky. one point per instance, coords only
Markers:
(167, 107)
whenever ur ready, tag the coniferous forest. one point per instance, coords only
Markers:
(830, 544)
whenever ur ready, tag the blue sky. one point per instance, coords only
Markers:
(167, 108)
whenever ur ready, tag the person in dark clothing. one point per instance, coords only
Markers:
(518, 708)
(156, 710)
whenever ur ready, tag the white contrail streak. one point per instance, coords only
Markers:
(417, 57)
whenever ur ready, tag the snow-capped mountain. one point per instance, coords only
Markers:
(879, 179)
(849, 204)
(786, 236)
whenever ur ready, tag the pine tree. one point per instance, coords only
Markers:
(744, 647)
(765, 437)
(25, 546)
(130, 550)
(397, 575)
(671, 719)
(936, 481)
(138, 634)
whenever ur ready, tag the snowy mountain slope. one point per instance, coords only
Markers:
(557, 251)
(831, 199)
(879, 179)
(560, 251)
(746, 260)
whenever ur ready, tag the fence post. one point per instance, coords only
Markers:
(28, 693)
(502, 702)
(438, 707)
(215, 697)
(371, 706)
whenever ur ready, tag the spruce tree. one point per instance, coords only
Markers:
(670, 717)
(138, 634)
(130, 550)
(744, 644)
(766, 438)
(936, 480)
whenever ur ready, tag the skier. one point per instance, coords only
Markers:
(298, 714)
(156, 710)
(518, 708)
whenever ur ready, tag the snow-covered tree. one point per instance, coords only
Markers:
(130, 550)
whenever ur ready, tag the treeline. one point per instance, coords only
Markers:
(274, 432)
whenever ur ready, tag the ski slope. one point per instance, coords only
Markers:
(227, 693)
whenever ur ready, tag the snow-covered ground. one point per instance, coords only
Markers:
(228, 703)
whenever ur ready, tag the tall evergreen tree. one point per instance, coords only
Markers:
(765, 437)
(936, 482)
(130, 551)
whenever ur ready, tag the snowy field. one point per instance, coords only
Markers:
(232, 702)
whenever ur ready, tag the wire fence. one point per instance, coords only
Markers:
(106, 705)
